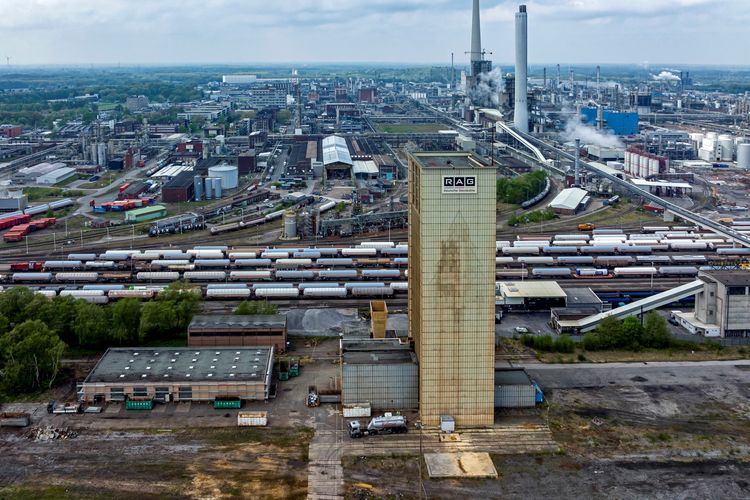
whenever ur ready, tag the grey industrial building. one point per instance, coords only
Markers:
(234, 330)
(381, 372)
(722, 308)
(180, 374)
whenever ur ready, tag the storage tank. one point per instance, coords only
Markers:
(290, 224)
(743, 156)
(208, 192)
(228, 175)
(217, 188)
(653, 166)
(726, 145)
(198, 187)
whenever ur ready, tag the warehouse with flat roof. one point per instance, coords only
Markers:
(234, 330)
(180, 188)
(180, 374)
(529, 295)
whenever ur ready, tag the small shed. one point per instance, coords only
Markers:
(514, 389)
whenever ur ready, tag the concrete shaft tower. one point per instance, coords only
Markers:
(452, 204)
(521, 109)
(476, 36)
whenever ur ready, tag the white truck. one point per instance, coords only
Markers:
(388, 423)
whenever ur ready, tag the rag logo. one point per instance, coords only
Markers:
(459, 184)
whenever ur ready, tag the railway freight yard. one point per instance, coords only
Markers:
(327, 282)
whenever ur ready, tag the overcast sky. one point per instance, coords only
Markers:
(408, 31)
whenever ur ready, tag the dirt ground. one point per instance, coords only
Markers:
(616, 442)
(164, 463)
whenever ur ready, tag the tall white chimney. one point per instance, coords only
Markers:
(476, 36)
(576, 171)
(521, 110)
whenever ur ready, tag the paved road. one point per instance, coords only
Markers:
(587, 375)
(85, 209)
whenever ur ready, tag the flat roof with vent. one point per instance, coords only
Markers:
(531, 289)
(232, 321)
(247, 364)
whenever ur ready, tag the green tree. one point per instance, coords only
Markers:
(609, 332)
(126, 322)
(59, 314)
(29, 357)
(632, 333)
(252, 307)
(656, 333)
(14, 302)
(183, 300)
(92, 325)
(158, 320)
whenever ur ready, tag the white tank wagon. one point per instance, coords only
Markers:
(157, 276)
(337, 292)
(556, 272)
(239, 263)
(250, 275)
(277, 293)
(205, 275)
(678, 271)
(228, 293)
(634, 271)
(131, 294)
(35, 277)
(53, 265)
(76, 277)
(377, 291)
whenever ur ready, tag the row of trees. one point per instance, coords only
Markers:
(629, 334)
(516, 190)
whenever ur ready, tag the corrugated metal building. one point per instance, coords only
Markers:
(179, 189)
(381, 372)
(233, 330)
(180, 374)
(146, 213)
(569, 201)
(514, 389)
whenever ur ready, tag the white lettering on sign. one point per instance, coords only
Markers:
(453, 184)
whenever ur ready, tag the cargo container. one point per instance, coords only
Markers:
(139, 404)
(252, 419)
(227, 403)
(356, 411)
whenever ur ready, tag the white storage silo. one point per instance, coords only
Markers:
(696, 138)
(653, 166)
(228, 174)
(726, 146)
(743, 156)
(627, 161)
(198, 187)
(290, 224)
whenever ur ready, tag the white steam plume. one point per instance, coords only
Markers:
(576, 129)
(488, 88)
(666, 76)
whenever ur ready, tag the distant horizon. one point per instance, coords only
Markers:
(105, 32)
(4, 68)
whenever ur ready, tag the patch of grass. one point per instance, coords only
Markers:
(407, 128)
(49, 193)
